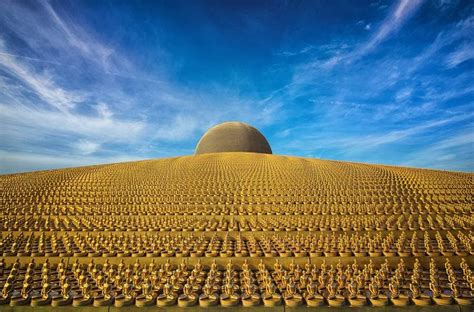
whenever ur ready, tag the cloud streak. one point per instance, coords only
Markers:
(464, 53)
(373, 141)
(401, 13)
(41, 84)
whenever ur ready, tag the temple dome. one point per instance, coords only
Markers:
(233, 137)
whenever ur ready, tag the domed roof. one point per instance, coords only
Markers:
(233, 137)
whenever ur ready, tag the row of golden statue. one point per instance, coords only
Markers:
(167, 285)
(217, 181)
(121, 203)
(236, 181)
(149, 244)
(196, 208)
(228, 195)
(251, 223)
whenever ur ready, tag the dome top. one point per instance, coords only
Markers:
(233, 136)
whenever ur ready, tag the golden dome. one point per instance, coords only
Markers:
(233, 137)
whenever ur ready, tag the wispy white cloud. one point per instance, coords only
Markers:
(376, 140)
(345, 55)
(464, 53)
(305, 50)
(179, 128)
(42, 84)
(462, 29)
(86, 147)
(401, 12)
(414, 95)
(78, 38)
(59, 115)
(36, 121)
(312, 141)
(27, 57)
(461, 139)
(44, 30)
(404, 94)
(453, 152)
(445, 5)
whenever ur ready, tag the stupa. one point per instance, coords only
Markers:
(233, 137)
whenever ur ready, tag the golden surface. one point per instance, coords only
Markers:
(238, 229)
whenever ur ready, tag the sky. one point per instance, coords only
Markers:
(89, 82)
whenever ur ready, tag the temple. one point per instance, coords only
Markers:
(236, 226)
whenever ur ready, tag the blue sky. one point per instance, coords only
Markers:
(86, 82)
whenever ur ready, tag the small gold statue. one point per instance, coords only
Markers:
(397, 298)
(85, 298)
(333, 297)
(250, 298)
(355, 299)
(24, 297)
(147, 297)
(43, 298)
(291, 296)
(105, 297)
(376, 298)
(188, 297)
(209, 297)
(417, 296)
(460, 298)
(229, 297)
(127, 295)
(313, 297)
(271, 298)
(168, 297)
(437, 295)
(65, 297)
(7, 290)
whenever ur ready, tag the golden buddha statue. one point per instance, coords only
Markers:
(354, 297)
(24, 296)
(250, 297)
(147, 296)
(7, 290)
(85, 298)
(126, 296)
(229, 297)
(270, 297)
(65, 298)
(209, 296)
(168, 297)
(291, 297)
(417, 296)
(312, 296)
(396, 297)
(188, 297)
(459, 297)
(376, 298)
(333, 297)
(105, 298)
(43, 298)
(437, 295)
